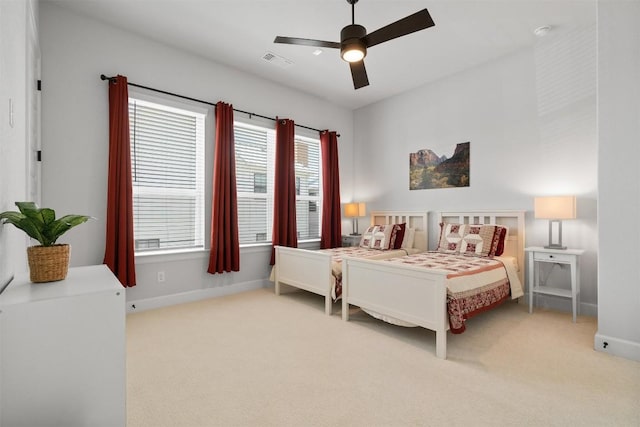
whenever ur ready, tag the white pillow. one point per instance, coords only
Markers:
(409, 237)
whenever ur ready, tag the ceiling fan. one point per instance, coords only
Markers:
(354, 40)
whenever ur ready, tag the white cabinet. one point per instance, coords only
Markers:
(62, 351)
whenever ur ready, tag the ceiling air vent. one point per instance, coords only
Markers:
(278, 60)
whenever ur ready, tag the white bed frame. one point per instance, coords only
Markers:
(311, 269)
(418, 295)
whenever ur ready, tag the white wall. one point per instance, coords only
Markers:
(76, 50)
(619, 178)
(531, 121)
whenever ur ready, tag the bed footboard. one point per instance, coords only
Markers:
(414, 295)
(304, 269)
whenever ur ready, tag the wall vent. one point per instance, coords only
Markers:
(278, 60)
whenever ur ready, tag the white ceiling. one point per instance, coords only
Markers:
(239, 32)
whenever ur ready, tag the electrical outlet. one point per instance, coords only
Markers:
(160, 276)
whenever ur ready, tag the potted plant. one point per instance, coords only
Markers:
(48, 261)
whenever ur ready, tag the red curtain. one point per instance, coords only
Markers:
(331, 216)
(284, 204)
(119, 251)
(225, 245)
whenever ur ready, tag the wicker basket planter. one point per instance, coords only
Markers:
(48, 263)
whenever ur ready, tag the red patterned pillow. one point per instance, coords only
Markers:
(382, 237)
(397, 235)
(477, 240)
(450, 237)
(367, 237)
(497, 247)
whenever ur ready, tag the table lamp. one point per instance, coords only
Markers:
(355, 210)
(555, 209)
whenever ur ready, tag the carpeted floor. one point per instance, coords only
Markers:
(256, 359)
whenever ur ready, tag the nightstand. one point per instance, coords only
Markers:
(351, 240)
(570, 257)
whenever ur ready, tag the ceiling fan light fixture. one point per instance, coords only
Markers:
(352, 48)
(354, 52)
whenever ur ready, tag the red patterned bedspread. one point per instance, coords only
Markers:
(474, 284)
(354, 251)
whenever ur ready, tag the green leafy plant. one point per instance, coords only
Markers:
(41, 223)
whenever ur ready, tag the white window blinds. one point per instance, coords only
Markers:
(167, 162)
(255, 157)
(254, 179)
(308, 187)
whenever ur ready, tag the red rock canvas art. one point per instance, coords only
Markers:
(427, 169)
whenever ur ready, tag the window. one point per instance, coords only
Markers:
(259, 182)
(255, 153)
(167, 166)
(308, 187)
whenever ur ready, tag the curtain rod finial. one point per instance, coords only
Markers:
(111, 79)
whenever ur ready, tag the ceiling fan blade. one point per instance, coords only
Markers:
(306, 42)
(359, 74)
(412, 23)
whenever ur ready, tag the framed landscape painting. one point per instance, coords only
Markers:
(428, 169)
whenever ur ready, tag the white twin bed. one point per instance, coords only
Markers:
(408, 294)
(431, 290)
(316, 270)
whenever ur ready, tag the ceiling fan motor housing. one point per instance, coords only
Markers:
(351, 38)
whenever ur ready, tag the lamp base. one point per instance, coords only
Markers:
(355, 227)
(558, 244)
(355, 234)
(559, 247)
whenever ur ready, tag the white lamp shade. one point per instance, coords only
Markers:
(353, 210)
(555, 207)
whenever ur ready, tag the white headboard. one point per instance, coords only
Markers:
(416, 220)
(514, 243)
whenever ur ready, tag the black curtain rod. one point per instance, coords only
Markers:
(103, 77)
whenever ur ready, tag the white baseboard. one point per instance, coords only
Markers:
(191, 296)
(562, 304)
(617, 347)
